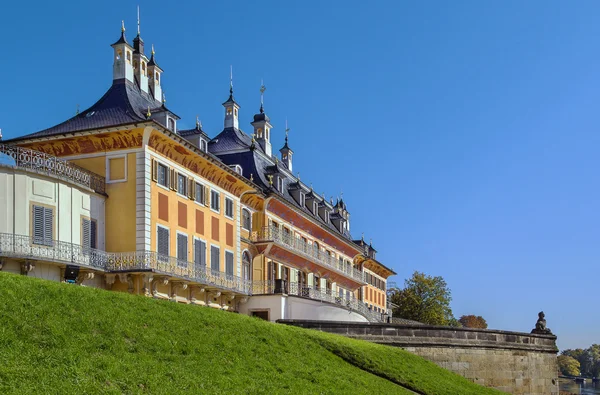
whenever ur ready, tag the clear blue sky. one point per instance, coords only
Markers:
(463, 134)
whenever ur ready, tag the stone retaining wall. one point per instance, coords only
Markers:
(517, 363)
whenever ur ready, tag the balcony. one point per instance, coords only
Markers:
(302, 248)
(52, 166)
(315, 293)
(26, 247)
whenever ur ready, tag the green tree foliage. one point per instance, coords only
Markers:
(473, 321)
(568, 366)
(424, 298)
(589, 359)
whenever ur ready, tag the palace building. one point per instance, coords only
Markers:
(117, 197)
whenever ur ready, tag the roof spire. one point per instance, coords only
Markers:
(152, 50)
(138, 20)
(287, 131)
(262, 96)
(231, 80)
(122, 26)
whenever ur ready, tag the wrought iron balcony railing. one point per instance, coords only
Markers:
(145, 260)
(51, 165)
(20, 246)
(26, 247)
(315, 293)
(309, 251)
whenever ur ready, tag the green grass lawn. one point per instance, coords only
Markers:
(64, 339)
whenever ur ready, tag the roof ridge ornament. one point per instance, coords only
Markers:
(148, 114)
(262, 96)
(138, 20)
(122, 26)
(198, 123)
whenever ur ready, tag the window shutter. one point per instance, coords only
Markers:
(214, 259)
(38, 224)
(163, 241)
(86, 233)
(229, 263)
(175, 181)
(197, 253)
(48, 221)
(191, 189)
(182, 250)
(154, 170)
(206, 196)
(93, 234)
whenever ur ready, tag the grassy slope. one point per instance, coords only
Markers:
(59, 338)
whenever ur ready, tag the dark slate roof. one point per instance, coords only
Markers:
(191, 132)
(232, 146)
(261, 116)
(123, 103)
(122, 39)
(152, 61)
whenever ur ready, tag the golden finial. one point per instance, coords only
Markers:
(153, 50)
(276, 160)
(270, 179)
(164, 98)
(252, 177)
(122, 26)
(148, 114)
(198, 123)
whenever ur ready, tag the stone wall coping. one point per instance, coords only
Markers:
(340, 324)
(406, 335)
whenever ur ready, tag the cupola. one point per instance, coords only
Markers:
(262, 126)
(122, 58)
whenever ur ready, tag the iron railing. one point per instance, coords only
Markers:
(20, 246)
(26, 247)
(51, 165)
(316, 293)
(310, 251)
(145, 260)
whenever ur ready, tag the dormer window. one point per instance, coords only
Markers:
(315, 208)
(302, 199)
(259, 132)
(203, 145)
(119, 54)
(157, 77)
(228, 111)
(129, 56)
(280, 184)
(144, 68)
(171, 124)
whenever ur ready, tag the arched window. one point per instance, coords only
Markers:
(246, 219)
(129, 56)
(246, 266)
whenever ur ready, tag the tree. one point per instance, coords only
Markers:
(424, 298)
(472, 321)
(568, 366)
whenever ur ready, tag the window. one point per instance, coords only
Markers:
(182, 184)
(199, 254)
(163, 175)
(88, 233)
(215, 202)
(182, 250)
(280, 184)
(171, 123)
(228, 207)
(229, 263)
(215, 256)
(246, 266)
(203, 145)
(43, 225)
(246, 219)
(162, 241)
(200, 193)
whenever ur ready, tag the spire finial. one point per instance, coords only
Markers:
(231, 79)
(287, 130)
(262, 96)
(138, 9)
(252, 177)
(153, 50)
(148, 114)
(198, 123)
(122, 26)
(164, 98)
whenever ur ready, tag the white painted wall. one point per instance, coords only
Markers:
(296, 308)
(20, 189)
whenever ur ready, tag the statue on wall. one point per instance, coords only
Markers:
(540, 325)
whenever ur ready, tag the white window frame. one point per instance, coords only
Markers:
(186, 184)
(111, 180)
(218, 210)
(250, 216)
(167, 174)
(232, 216)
